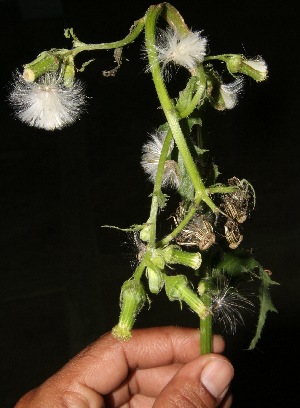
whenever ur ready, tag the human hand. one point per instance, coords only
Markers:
(158, 367)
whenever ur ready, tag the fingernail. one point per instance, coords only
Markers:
(216, 376)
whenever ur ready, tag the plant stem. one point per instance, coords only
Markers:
(169, 109)
(173, 121)
(206, 326)
(204, 290)
(157, 187)
(134, 32)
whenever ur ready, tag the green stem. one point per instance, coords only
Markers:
(157, 187)
(169, 109)
(141, 267)
(221, 189)
(205, 292)
(167, 239)
(220, 57)
(198, 94)
(206, 327)
(134, 33)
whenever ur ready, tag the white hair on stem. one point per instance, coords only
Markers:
(47, 103)
(151, 152)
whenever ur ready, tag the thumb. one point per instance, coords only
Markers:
(201, 383)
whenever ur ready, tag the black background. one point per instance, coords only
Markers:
(60, 271)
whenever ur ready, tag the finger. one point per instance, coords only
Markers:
(101, 367)
(226, 401)
(150, 382)
(146, 383)
(48, 395)
(147, 348)
(202, 383)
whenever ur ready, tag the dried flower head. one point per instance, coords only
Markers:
(198, 232)
(150, 158)
(185, 50)
(47, 103)
(232, 234)
(241, 202)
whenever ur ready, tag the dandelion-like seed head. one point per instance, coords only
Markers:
(230, 92)
(185, 50)
(229, 305)
(47, 103)
(150, 158)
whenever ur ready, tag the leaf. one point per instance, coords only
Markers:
(186, 188)
(69, 33)
(85, 64)
(266, 304)
(135, 227)
(236, 263)
(186, 95)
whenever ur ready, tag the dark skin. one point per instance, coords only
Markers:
(158, 367)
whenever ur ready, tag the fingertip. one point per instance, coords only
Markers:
(216, 376)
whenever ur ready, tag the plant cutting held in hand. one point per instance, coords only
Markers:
(198, 261)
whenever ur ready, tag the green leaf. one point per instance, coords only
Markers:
(69, 33)
(85, 64)
(266, 304)
(186, 188)
(236, 263)
(187, 94)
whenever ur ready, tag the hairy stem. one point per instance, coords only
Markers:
(157, 187)
(169, 109)
(206, 327)
(134, 33)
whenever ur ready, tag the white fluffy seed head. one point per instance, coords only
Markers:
(150, 157)
(185, 50)
(47, 103)
(230, 92)
(229, 305)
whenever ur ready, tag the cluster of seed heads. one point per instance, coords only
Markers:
(236, 207)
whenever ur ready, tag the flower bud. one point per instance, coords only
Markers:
(45, 62)
(201, 288)
(158, 260)
(204, 286)
(177, 288)
(155, 280)
(174, 255)
(145, 233)
(132, 299)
